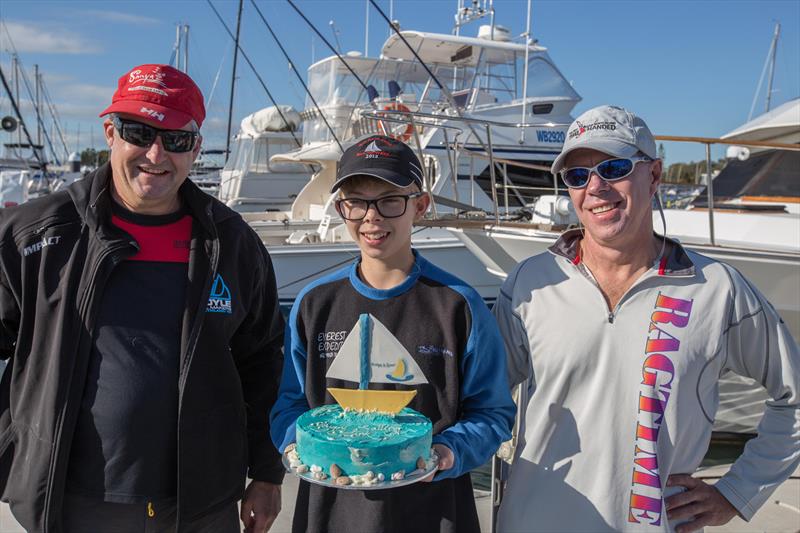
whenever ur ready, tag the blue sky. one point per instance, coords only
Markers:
(687, 67)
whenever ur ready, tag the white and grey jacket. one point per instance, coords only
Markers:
(618, 400)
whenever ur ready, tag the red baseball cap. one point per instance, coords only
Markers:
(160, 95)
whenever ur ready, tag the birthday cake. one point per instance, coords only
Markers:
(364, 447)
(369, 436)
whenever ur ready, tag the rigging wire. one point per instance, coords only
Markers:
(327, 43)
(299, 77)
(216, 78)
(258, 76)
(24, 77)
(53, 113)
(36, 152)
(56, 117)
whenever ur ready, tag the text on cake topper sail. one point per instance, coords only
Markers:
(371, 354)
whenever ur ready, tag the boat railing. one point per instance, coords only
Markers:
(459, 125)
(447, 122)
(707, 142)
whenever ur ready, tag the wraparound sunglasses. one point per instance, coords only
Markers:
(136, 133)
(609, 170)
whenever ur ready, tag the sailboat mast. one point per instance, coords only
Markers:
(37, 83)
(176, 48)
(15, 62)
(233, 82)
(366, 28)
(186, 48)
(772, 63)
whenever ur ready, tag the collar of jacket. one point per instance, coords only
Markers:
(92, 199)
(676, 263)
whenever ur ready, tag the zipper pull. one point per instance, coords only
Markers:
(611, 317)
(150, 511)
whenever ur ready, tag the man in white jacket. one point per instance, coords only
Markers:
(620, 336)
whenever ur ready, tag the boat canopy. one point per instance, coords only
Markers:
(270, 119)
(464, 51)
(781, 124)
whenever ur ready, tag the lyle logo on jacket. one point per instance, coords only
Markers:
(220, 299)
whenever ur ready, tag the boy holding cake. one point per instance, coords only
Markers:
(441, 322)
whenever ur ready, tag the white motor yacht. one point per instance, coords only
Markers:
(485, 78)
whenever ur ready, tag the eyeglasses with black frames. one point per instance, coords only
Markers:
(142, 135)
(387, 206)
(608, 170)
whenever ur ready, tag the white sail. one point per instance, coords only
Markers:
(389, 361)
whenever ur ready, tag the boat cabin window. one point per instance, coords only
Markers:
(266, 147)
(544, 79)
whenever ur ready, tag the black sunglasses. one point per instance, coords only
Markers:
(136, 133)
(608, 170)
(388, 206)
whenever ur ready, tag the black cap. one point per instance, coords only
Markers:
(381, 157)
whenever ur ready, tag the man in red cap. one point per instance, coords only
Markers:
(140, 321)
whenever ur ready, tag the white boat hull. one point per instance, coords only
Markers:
(297, 265)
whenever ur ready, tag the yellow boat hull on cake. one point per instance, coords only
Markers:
(385, 401)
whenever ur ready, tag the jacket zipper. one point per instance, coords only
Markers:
(42, 229)
(190, 348)
(55, 457)
(612, 313)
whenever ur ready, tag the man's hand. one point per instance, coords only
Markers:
(260, 506)
(446, 459)
(701, 502)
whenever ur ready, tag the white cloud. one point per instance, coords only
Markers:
(68, 110)
(118, 16)
(82, 92)
(47, 39)
(75, 101)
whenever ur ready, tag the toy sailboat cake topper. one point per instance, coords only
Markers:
(371, 354)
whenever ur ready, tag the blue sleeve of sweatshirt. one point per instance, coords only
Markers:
(291, 402)
(488, 410)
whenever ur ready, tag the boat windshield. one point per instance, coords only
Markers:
(252, 154)
(498, 79)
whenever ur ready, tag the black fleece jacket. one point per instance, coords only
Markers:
(56, 254)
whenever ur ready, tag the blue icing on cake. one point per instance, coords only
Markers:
(359, 442)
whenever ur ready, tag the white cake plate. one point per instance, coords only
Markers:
(414, 477)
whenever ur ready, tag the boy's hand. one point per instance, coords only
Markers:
(446, 459)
